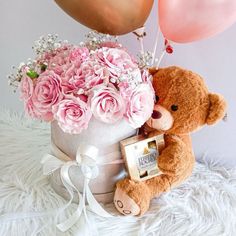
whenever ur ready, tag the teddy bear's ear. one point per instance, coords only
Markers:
(153, 70)
(217, 108)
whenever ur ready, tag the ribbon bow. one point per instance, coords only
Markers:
(85, 160)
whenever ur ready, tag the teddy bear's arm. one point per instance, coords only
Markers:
(176, 163)
(175, 157)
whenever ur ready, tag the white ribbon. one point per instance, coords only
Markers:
(85, 160)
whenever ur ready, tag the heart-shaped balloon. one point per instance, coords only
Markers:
(190, 20)
(114, 17)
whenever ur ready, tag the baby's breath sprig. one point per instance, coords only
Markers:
(48, 43)
(94, 39)
(30, 68)
(145, 59)
(15, 78)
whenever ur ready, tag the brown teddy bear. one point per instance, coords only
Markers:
(183, 105)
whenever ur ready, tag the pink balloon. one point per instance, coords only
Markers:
(185, 21)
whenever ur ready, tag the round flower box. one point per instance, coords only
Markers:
(106, 138)
(94, 94)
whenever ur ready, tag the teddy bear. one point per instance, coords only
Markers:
(183, 105)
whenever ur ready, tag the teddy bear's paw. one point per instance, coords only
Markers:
(125, 204)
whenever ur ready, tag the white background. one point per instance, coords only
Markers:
(22, 22)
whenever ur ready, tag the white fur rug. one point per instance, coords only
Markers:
(204, 205)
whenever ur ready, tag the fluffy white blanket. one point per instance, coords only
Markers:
(204, 205)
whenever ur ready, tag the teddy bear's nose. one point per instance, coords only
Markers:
(156, 115)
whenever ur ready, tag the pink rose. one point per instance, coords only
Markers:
(115, 59)
(30, 109)
(106, 104)
(61, 52)
(47, 92)
(79, 54)
(59, 60)
(125, 90)
(66, 56)
(140, 105)
(91, 78)
(129, 82)
(73, 80)
(72, 115)
(94, 74)
(26, 88)
(146, 77)
(81, 79)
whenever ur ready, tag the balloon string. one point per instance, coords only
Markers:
(155, 46)
(141, 44)
(160, 59)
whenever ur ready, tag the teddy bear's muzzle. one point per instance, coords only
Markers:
(161, 119)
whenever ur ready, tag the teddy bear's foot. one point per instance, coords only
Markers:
(124, 204)
(131, 198)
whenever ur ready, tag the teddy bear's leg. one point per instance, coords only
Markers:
(165, 182)
(131, 198)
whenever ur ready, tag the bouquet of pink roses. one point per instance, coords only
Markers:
(70, 84)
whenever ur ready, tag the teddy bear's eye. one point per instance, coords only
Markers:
(174, 107)
(157, 98)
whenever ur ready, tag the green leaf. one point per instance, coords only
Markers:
(32, 74)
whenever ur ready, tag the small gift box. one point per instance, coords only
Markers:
(140, 155)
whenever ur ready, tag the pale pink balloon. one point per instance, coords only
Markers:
(185, 21)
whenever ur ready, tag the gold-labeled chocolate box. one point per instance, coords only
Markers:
(140, 155)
